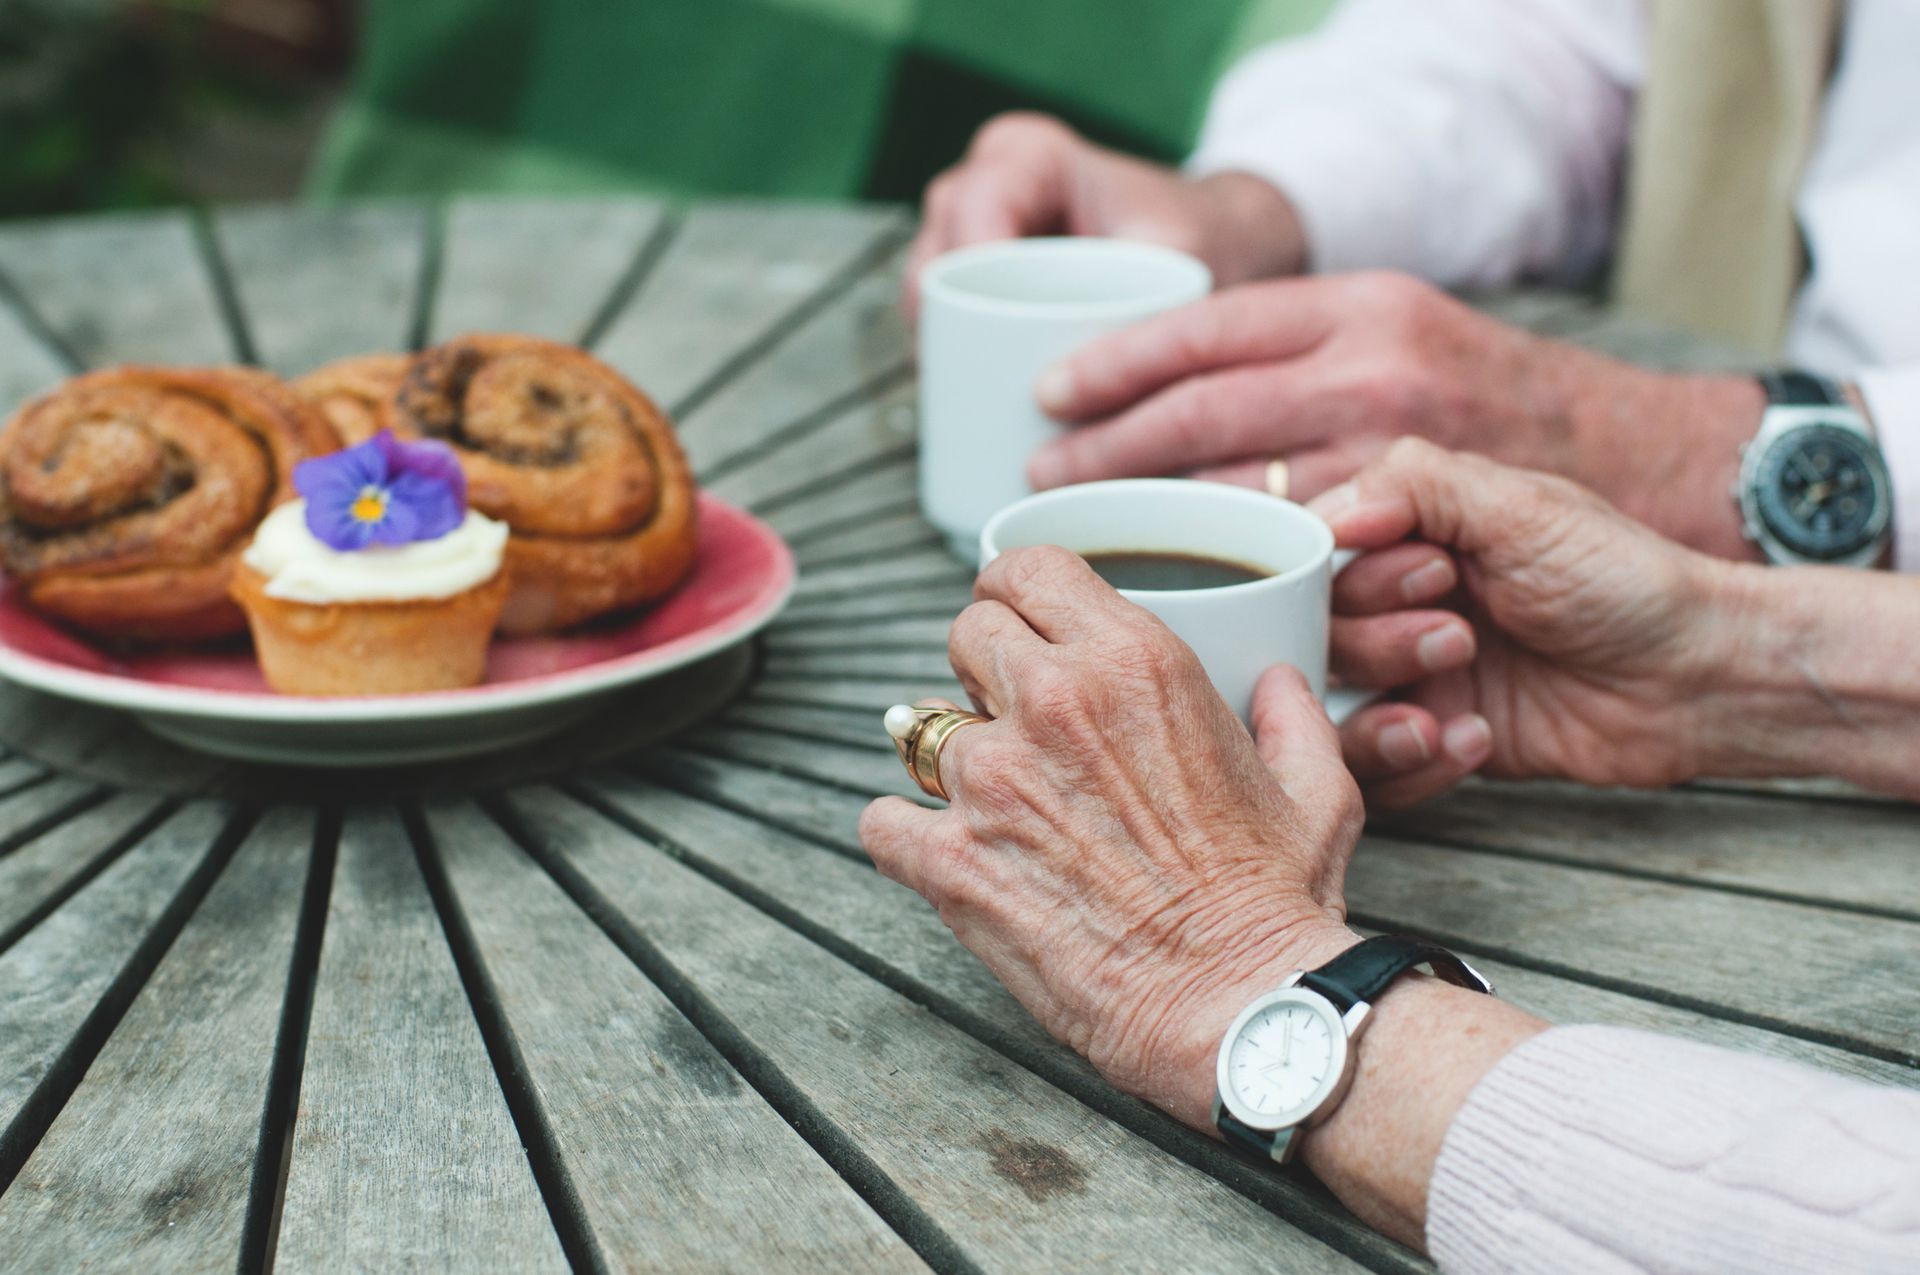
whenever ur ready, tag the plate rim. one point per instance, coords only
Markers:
(111, 690)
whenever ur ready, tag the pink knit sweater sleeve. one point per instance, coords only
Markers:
(1604, 1149)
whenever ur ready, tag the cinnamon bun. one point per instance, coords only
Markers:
(127, 495)
(582, 466)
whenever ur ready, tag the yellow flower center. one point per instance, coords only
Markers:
(371, 506)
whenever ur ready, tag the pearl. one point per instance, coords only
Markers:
(901, 720)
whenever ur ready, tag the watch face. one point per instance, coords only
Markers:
(1823, 492)
(1286, 1056)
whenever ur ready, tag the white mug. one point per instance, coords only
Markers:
(1237, 630)
(993, 317)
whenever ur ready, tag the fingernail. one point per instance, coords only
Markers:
(1402, 748)
(1054, 390)
(1335, 500)
(1428, 581)
(1467, 739)
(1448, 646)
(1046, 470)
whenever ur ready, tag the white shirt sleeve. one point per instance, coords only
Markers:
(1471, 142)
(1893, 400)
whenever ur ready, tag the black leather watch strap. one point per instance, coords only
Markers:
(1361, 973)
(1788, 388)
(1244, 1136)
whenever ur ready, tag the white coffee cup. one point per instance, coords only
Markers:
(1237, 630)
(992, 318)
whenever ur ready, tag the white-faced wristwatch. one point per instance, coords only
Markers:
(1813, 486)
(1288, 1059)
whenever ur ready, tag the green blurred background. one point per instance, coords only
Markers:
(126, 103)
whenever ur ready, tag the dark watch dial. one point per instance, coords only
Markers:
(1823, 491)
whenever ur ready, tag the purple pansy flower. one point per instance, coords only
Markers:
(383, 492)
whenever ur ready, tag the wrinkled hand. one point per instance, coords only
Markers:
(1573, 644)
(1328, 371)
(1028, 174)
(1119, 852)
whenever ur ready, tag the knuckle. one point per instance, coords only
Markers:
(1018, 130)
(1409, 453)
(1145, 650)
(1059, 702)
(990, 778)
(969, 628)
(1199, 334)
(1192, 412)
(942, 189)
(1035, 568)
(1394, 291)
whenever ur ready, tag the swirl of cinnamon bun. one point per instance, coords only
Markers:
(127, 495)
(582, 466)
(353, 394)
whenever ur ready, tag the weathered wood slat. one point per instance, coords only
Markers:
(1565, 1001)
(907, 570)
(42, 867)
(1548, 311)
(318, 284)
(15, 771)
(1864, 855)
(858, 728)
(846, 493)
(838, 900)
(31, 811)
(732, 276)
(947, 596)
(858, 694)
(857, 768)
(62, 733)
(1634, 339)
(677, 1163)
(833, 450)
(907, 633)
(881, 536)
(812, 810)
(96, 743)
(57, 975)
(120, 288)
(929, 664)
(840, 354)
(27, 366)
(149, 1165)
(1826, 975)
(405, 1154)
(847, 899)
(545, 267)
(1017, 1174)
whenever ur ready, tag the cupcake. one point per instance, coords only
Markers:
(378, 580)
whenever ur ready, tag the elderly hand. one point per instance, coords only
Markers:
(1119, 852)
(1580, 642)
(1326, 372)
(1028, 174)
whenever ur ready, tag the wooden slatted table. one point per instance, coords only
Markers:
(622, 1005)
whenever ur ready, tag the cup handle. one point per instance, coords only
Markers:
(1343, 702)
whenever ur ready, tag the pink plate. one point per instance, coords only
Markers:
(216, 699)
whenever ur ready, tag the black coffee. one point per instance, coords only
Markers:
(1140, 569)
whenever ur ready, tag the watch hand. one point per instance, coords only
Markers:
(1286, 1042)
(1800, 463)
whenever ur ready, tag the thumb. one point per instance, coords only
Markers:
(1417, 489)
(1302, 750)
(1291, 729)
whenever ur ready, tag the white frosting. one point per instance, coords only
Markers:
(299, 568)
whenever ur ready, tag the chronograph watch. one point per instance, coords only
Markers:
(1287, 1059)
(1813, 486)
